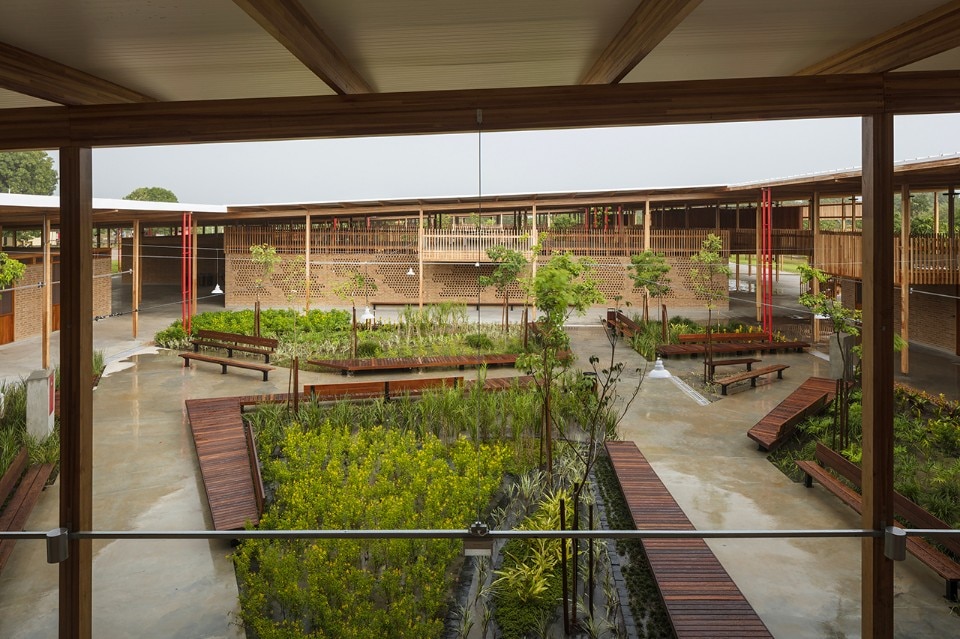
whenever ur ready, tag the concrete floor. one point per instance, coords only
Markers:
(146, 477)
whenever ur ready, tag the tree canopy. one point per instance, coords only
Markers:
(152, 194)
(27, 172)
(10, 271)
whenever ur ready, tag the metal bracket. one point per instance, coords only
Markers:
(895, 543)
(57, 548)
(479, 545)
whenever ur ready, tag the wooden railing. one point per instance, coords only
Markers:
(785, 241)
(461, 245)
(291, 239)
(931, 260)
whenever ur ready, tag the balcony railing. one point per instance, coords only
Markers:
(929, 260)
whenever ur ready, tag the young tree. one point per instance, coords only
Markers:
(349, 289)
(10, 271)
(510, 264)
(27, 172)
(710, 264)
(264, 256)
(564, 285)
(151, 194)
(649, 272)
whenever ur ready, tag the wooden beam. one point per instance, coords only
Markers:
(647, 26)
(925, 36)
(76, 387)
(295, 28)
(39, 77)
(876, 568)
(447, 111)
(135, 281)
(629, 104)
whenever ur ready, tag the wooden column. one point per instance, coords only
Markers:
(135, 280)
(194, 259)
(534, 240)
(76, 386)
(420, 262)
(905, 262)
(647, 214)
(46, 314)
(307, 256)
(759, 278)
(815, 231)
(936, 212)
(876, 569)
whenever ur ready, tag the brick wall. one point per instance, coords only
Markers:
(933, 318)
(441, 282)
(28, 320)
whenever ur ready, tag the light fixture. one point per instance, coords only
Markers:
(367, 315)
(410, 272)
(216, 288)
(659, 372)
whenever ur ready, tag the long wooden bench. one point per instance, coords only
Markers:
(827, 460)
(224, 362)
(348, 366)
(387, 389)
(778, 425)
(751, 375)
(700, 597)
(712, 364)
(230, 342)
(719, 338)
(20, 489)
(730, 348)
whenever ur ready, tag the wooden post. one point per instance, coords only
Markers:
(936, 213)
(815, 231)
(46, 314)
(194, 259)
(307, 255)
(420, 262)
(647, 214)
(736, 278)
(76, 388)
(876, 568)
(758, 249)
(905, 264)
(135, 281)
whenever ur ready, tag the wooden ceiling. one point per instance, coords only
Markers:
(103, 72)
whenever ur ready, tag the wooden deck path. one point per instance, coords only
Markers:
(225, 462)
(777, 425)
(729, 348)
(701, 598)
(346, 366)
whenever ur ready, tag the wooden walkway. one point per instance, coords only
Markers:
(730, 348)
(225, 461)
(701, 598)
(347, 366)
(777, 426)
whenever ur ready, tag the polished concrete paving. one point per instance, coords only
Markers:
(146, 477)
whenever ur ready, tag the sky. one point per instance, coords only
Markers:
(516, 162)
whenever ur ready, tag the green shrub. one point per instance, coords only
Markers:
(174, 337)
(479, 341)
(368, 348)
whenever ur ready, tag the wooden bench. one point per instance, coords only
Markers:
(621, 324)
(712, 364)
(388, 389)
(719, 338)
(827, 459)
(224, 362)
(22, 484)
(730, 348)
(701, 598)
(349, 366)
(778, 425)
(230, 342)
(751, 375)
